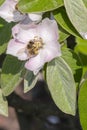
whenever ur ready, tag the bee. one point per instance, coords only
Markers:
(34, 46)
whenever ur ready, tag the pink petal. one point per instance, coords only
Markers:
(35, 63)
(24, 33)
(23, 25)
(48, 30)
(6, 11)
(9, 13)
(51, 51)
(35, 17)
(17, 49)
(15, 30)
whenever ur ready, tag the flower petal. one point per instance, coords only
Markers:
(9, 13)
(15, 30)
(6, 11)
(24, 33)
(48, 30)
(35, 17)
(17, 49)
(23, 25)
(51, 51)
(35, 63)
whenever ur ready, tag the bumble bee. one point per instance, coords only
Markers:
(34, 46)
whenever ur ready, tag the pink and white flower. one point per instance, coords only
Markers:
(35, 43)
(9, 12)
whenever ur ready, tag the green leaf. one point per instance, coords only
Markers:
(29, 81)
(81, 45)
(74, 63)
(84, 62)
(63, 20)
(82, 103)
(11, 74)
(5, 34)
(29, 6)
(62, 85)
(1, 2)
(63, 35)
(85, 2)
(77, 13)
(3, 105)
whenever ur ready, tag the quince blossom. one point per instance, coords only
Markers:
(35, 43)
(9, 12)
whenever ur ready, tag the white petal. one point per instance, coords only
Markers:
(23, 25)
(24, 33)
(22, 55)
(35, 63)
(51, 51)
(6, 11)
(17, 49)
(9, 13)
(15, 30)
(48, 30)
(35, 17)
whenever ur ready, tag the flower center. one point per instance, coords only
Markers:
(34, 45)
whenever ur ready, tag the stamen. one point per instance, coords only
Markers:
(34, 46)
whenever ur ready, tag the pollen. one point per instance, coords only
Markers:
(34, 46)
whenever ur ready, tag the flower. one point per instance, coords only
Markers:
(9, 12)
(36, 43)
